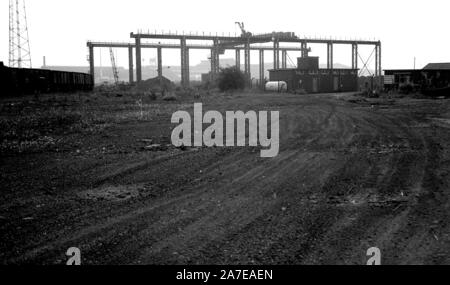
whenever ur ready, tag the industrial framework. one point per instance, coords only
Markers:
(113, 65)
(243, 43)
(19, 44)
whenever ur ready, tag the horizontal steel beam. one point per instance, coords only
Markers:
(264, 38)
(177, 46)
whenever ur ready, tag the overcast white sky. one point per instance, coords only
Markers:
(59, 29)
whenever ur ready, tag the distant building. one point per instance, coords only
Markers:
(433, 76)
(312, 79)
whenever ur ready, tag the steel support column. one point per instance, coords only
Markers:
(261, 69)
(217, 60)
(160, 68)
(380, 70)
(247, 62)
(354, 56)
(184, 63)
(130, 64)
(138, 60)
(238, 59)
(376, 63)
(91, 62)
(304, 47)
(187, 72)
(183, 54)
(330, 55)
(213, 58)
(276, 54)
(284, 59)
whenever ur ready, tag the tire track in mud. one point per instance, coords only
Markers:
(199, 196)
(346, 179)
(209, 221)
(383, 224)
(130, 169)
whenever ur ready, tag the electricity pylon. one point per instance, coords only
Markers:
(19, 44)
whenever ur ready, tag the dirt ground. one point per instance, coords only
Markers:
(352, 173)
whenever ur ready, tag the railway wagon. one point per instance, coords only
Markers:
(19, 81)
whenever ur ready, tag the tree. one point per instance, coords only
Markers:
(230, 79)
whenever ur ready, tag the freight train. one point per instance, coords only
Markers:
(21, 81)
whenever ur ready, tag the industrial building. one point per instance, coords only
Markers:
(308, 77)
(433, 78)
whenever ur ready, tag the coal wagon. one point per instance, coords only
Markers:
(20, 81)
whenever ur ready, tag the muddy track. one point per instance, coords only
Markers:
(348, 177)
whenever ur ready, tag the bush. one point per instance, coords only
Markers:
(170, 97)
(230, 78)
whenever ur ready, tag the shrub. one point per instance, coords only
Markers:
(170, 97)
(230, 78)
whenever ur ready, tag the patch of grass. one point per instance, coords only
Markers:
(38, 124)
(35, 131)
(32, 125)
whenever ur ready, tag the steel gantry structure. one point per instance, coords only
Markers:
(218, 44)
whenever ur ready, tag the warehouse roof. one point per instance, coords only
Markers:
(438, 66)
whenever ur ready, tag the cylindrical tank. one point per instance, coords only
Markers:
(276, 86)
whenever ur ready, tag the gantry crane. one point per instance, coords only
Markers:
(244, 34)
